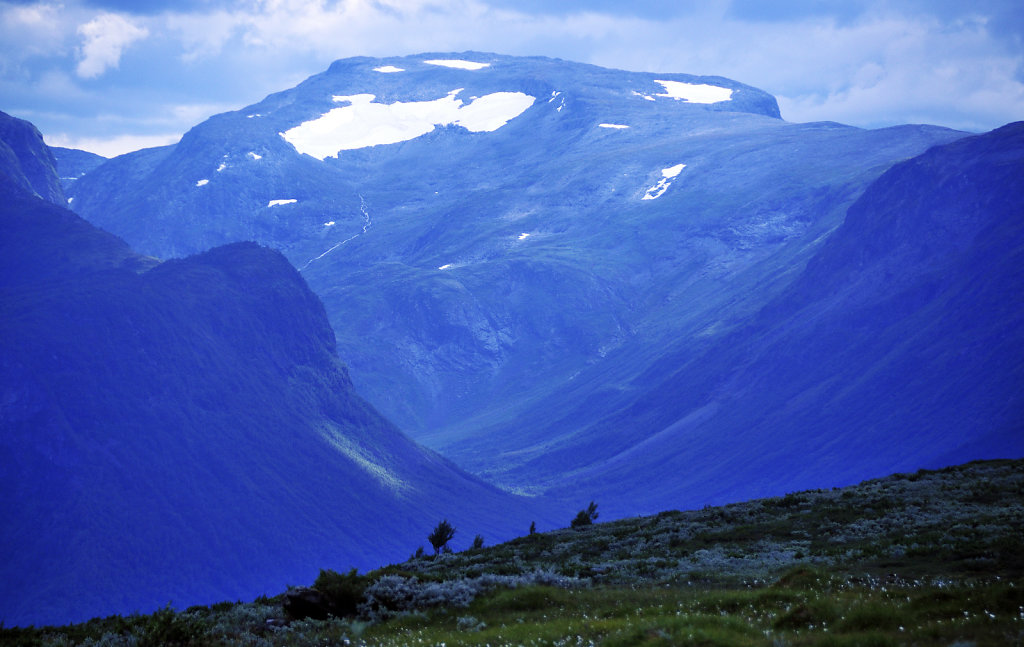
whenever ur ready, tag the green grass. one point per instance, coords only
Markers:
(934, 560)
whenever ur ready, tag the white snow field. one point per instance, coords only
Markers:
(457, 63)
(202, 182)
(388, 69)
(366, 123)
(695, 92)
(615, 126)
(274, 203)
(667, 175)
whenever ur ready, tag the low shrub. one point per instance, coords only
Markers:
(342, 592)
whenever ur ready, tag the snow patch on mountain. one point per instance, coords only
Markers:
(274, 203)
(695, 92)
(667, 175)
(362, 457)
(366, 123)
(222, 166)
(388, 69)
(523, 236)
(645, 96)
(457, 63)
(254, 156)
(202, 182)
(615, 126)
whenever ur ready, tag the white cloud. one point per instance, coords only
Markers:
(193, 113)
(31, 30)
(104, 38)
(111, 146)
(884, 67)
(203, 35)
(885, 64)
(916, 72)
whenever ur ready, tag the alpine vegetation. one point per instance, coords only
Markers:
(930, 557)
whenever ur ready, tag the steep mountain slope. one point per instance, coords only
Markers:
(184, 431)
(26, 160)
(487, 275)
(901, 344)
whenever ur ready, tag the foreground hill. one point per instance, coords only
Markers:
(543, 249)
(928, 558)
(184, 431)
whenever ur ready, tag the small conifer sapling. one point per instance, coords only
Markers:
(585, 517)
(441, 535)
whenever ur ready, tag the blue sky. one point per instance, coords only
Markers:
(115, 75)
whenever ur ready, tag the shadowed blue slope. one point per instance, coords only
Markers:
(899, 346)
(185, 432)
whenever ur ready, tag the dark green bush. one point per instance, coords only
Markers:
(343, 592)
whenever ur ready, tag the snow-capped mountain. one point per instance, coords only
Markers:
(520, 256)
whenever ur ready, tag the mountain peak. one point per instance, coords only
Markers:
(553, 75)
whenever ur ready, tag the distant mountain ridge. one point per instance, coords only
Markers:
(73, 163)
(185, 432)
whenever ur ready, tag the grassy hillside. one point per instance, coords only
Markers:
(930, 558)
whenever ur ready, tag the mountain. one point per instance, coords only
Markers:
(73, 163)
(184, 431)
(516, 252)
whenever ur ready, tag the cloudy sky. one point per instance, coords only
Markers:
(116, 75)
